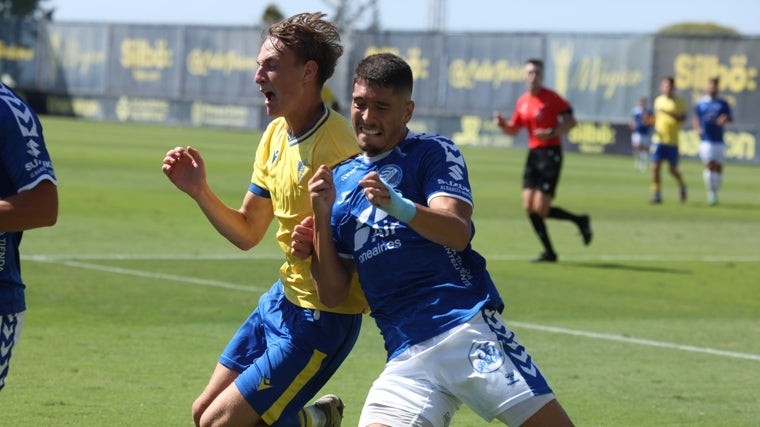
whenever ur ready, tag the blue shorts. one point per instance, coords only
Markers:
(665, 152)
(285, 354)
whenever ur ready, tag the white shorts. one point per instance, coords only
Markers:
(639, 140)
(712, 152)
(10, 332)
(479, 363)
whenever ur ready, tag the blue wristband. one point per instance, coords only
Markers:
(400, 207)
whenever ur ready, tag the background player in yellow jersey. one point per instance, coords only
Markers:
(669, 116)
(291, 343)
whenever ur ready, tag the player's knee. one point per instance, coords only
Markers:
(199, 406)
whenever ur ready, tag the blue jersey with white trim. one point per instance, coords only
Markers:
(416, 289)
(708, 110)
(24, 163)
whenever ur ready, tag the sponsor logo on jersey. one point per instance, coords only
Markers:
(374, 234)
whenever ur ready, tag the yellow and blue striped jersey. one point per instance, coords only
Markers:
(283, 166)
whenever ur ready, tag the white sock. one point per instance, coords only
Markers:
(317, 417)
(708, 180)
(717, 180)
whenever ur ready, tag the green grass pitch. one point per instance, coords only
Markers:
(132, 295)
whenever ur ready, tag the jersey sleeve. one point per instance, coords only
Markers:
(445, 172)
(259, 182)
(561, 104)
(25, 157)
(680, 106)
(517, 118)
(727, 110)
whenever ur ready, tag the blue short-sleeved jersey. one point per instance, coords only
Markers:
(415, 288)
(708, 110)
(24, 162)
(640, 125)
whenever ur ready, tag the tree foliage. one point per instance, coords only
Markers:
(272, 15)
(699, 29)
(14, 9)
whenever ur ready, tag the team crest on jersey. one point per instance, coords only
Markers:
(391, 174)
(486, 356)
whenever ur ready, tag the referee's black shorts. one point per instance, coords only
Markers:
(542, 169)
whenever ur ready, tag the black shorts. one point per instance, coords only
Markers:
(542, 169)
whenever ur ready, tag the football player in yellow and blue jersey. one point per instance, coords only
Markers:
(291, 344)
(669, 116)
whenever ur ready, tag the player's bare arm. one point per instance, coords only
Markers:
(244, 227)
(33, 208)
(723, 119)
(503, 124)
(331, 275)
(566, 122)
(302, 238)
(695, 123)
(445, 221)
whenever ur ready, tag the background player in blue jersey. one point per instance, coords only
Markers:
(642, 119)
(28, 199)
(711, 115)
(400, 215)
(291, 344)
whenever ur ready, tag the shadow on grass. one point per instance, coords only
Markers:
(629, 267)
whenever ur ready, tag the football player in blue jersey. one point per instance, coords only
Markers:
(28, 199)
(642, 119)
(292, 343)
(399, 214)
(711, 115)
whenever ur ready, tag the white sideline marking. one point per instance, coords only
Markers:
(650, 343)
(629, 258)
(148, 257)
(69, 260)
(493, 257)
(140, 273)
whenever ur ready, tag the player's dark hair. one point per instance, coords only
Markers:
(535, 62)
(311, 38)
(386, 70)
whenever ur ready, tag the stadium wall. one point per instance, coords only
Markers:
(203, 76)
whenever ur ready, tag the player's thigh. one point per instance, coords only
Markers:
(538, 411)
(710, 152)
(480, 357)
(408, 399)
(230, 409)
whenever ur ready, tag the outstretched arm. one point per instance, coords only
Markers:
(331, 274)
(244, 227)
(504, 125)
